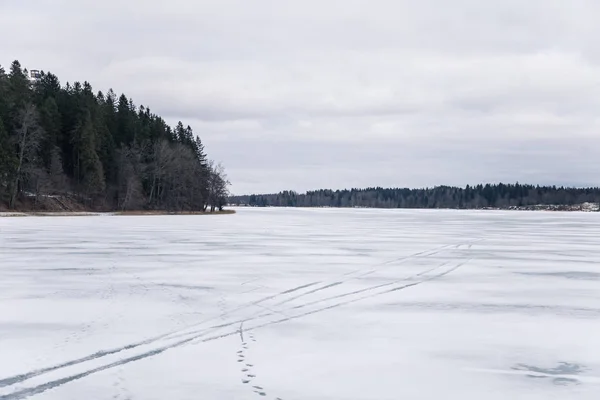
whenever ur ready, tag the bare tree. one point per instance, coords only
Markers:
(57, 178)
(171, 173)
(131, 173)
(27, 137)
(40, 182)
(162, 157)
(218, 186)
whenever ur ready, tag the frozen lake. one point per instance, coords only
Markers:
(297, 304)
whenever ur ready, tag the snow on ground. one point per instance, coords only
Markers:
(301, 304)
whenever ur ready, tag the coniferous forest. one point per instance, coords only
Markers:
(502, 196)
(99, 150)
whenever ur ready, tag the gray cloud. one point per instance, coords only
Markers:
(333, 93)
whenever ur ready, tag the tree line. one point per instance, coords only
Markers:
(99, 148)
(471, 197)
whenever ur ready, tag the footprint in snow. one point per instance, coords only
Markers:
(248, 375)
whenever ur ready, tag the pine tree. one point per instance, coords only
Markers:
(124, 122)
(189, 138)
(50, 121)
(48, 86)
(105, 117)
(91, 173)
(8, 162)
(4, 94)
(179, 132)
(203, 171)
(20, 86)
(7, 155)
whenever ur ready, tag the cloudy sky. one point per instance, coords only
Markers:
(312, 94)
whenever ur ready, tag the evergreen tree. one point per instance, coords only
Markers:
(89, 169)
(8, 162)
(180, 132)
(48, 86)
(4, 94)
(20, 87)
(50, 121)
(124, 122)
(203, 171)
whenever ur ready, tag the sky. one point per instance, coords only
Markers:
(314, 94)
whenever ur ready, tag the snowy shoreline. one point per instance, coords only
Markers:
(97, 214)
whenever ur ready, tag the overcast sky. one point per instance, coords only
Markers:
(316, 94)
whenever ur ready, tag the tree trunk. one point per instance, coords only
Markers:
(15, 190)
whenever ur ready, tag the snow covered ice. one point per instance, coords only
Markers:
(301, 304)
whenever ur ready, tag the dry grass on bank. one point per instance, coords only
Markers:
(118, 213)
(161, 212)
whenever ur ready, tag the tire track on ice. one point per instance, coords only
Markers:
(103, 353)
(181, 332)
(105, 293)
(340, 278)
(28, 392)
(197, 334)
(368, 289)
(385, 265)
(337, 282)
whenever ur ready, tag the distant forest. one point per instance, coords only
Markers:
(470, 197)
(98, 148)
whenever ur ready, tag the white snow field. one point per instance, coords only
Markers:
(301, 304)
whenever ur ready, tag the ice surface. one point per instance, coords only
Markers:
(303, 304)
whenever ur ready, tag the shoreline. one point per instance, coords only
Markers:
(15, 214)
(541, 208)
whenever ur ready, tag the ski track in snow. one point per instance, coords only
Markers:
(180, 337)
